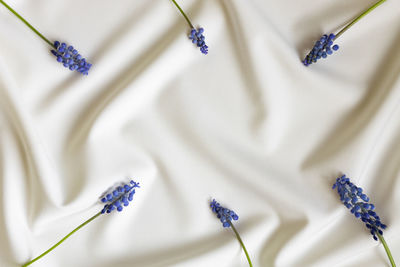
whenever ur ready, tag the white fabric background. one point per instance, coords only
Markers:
(247, 124)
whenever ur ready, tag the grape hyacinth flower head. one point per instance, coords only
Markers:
(224, 215)
(322, 49)
(70, 58)
(198, 39)
(119, 197)
(358, 203)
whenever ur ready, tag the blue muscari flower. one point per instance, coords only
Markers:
(120, 196)
(70, 58)
(357, 202)
(198, 39)
(322, 49)
(224, 215)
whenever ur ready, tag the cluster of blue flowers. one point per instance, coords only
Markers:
(198, 39)
(122, 195)
(355, 200)
(224, 215)
(70, 58)
(322, 48)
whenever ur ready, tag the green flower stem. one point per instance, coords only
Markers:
(389, 254)
(183, 13)
(27, 23)
(242, 244)
(62, 240)
(359, 17)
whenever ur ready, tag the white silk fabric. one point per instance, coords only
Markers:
(247, 124)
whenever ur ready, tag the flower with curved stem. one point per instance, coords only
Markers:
(358, 203)
(196, 35)
(324, 46)
(121, 195)
(64, 54)
(226, 216)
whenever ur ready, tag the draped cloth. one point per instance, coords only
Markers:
(247, 124)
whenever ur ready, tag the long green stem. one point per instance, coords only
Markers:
(389, 254)
(62, 240)
(183, 13)
(242, 244)
(359, 17)
(27, 23)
